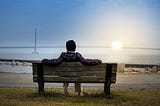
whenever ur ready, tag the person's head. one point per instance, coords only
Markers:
(70, 45)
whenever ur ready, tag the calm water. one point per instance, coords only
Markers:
(138, 59)
(15, 69)
(106, 55)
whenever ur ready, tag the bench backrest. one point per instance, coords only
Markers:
(75, 72)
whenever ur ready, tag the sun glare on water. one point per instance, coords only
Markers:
(116, 45)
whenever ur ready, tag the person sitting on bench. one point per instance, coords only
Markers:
(71, 56)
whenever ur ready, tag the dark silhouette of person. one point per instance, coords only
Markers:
(71, 56)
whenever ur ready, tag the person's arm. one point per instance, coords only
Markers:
(52, 61)
(91, 61)
(88, 61)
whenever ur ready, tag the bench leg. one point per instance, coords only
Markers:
(78, 88)
(107, 87)
(108, 76)
(65, 86)
(40, 87)
(40, 79)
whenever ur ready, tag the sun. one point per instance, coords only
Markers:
(116, 45)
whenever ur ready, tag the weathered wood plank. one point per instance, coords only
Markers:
(114, 68)
(35, 68)
(50, 69)
(68, 69)
(75, 71)
(82, 79)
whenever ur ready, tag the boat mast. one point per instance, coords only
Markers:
(35, 47)
(35, 41)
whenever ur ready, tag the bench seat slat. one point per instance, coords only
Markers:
(83, 79)
(63, 73)
(67, 67)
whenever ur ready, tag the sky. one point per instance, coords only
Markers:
(135, 23)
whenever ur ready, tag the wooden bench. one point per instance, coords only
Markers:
(75, 72)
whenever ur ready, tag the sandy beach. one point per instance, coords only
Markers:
(123, 80)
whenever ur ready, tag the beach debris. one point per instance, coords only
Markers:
(16, 63)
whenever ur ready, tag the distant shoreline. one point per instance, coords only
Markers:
(19, 66)
(18, 61)
(2, 72)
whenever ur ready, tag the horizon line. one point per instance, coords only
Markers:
(21, 47)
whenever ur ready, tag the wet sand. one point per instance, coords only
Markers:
(123, 80)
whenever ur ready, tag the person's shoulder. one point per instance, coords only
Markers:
(62, 53)
(77, 53)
